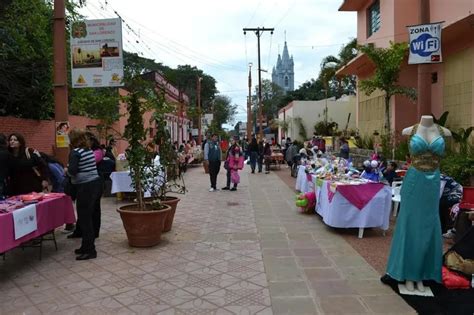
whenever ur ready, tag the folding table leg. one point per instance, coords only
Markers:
(361, 232)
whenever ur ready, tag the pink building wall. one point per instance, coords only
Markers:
(450, 10)
(395, 16)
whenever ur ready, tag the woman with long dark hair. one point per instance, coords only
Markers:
(28, 171)
(84, 176)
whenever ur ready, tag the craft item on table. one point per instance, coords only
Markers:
(53, 195)
(371, 171)
(32, 197)
(306, 201)
(10, 205)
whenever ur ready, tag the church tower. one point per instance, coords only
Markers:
(283, 73)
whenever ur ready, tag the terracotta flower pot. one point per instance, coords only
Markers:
(173, 203)
(143, 227)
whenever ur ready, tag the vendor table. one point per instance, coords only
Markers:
(369, 204)
(122, 182)
(50, 213)
(302, 183)
(354, 206)
(277, 159)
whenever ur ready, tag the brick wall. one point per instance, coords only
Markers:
(40, 134)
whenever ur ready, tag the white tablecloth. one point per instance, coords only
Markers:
(122, 182)
(341, 213)
(302, 183)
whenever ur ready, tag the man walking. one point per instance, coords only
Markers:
(212, 155)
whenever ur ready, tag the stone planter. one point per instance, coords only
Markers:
(143, 228)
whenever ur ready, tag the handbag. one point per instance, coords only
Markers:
(69, 188)
(235, 177)
(28, 156)
(226, 164)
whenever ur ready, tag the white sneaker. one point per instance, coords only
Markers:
(212, 189)
(450, 234)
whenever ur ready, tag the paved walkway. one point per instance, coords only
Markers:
(244, 252)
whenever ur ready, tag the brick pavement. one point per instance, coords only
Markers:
(244, 252)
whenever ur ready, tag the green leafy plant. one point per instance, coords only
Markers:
(364, 142)
(461, 137)
(168, 173)
(301, 127)
(458, 166)
(140, 98)
(388, 62)
(324, 128)
(442, 119)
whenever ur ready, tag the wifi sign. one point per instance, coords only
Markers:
(425, 45)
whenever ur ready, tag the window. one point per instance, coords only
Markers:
(286, 81)
(373, 18)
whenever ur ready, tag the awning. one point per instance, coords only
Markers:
(360, 64)
(459, 31)
(352, 5)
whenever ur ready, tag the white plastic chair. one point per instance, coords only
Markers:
(396, 183)
(396, 199)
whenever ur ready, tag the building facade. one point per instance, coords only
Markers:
(341, 111)
(451, 82)
(283, 74)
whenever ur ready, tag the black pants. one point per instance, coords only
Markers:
(96, 217)
(88, 196)
(228, 180)
(260, 163)
(214, 168)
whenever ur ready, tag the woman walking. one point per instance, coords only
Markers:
(84, 176)
(233, 163)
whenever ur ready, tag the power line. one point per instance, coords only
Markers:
(198, 55)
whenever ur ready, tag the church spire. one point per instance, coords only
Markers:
(286, 55)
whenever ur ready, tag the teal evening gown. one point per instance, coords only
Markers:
(416, 250)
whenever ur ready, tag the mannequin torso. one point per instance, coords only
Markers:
(427, 129)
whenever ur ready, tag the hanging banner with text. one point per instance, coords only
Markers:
(425, 43)
(97, 53)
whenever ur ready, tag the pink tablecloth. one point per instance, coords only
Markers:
(50, 213)
(360, 197)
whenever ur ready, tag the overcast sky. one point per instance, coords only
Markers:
(208, 34)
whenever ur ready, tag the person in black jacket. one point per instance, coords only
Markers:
(253, 152)
(4, 165)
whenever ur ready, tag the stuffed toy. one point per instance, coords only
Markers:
(306, 201)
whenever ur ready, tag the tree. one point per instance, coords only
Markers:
(184, 78)
(273, 98)
(388, 62)
(223, 111)
(331, 64)
(26, 59)
(312, 90)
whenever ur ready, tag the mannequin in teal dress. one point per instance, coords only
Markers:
(416, 250)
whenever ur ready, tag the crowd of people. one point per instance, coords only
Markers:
(24, 170)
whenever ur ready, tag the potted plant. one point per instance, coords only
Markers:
(143, 222)
(167, 172)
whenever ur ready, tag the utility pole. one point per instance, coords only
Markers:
(259, 31)
(424, 70)
(249, 105)
(199, 79)
(60, 72)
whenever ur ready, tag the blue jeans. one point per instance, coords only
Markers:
(253, 160)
